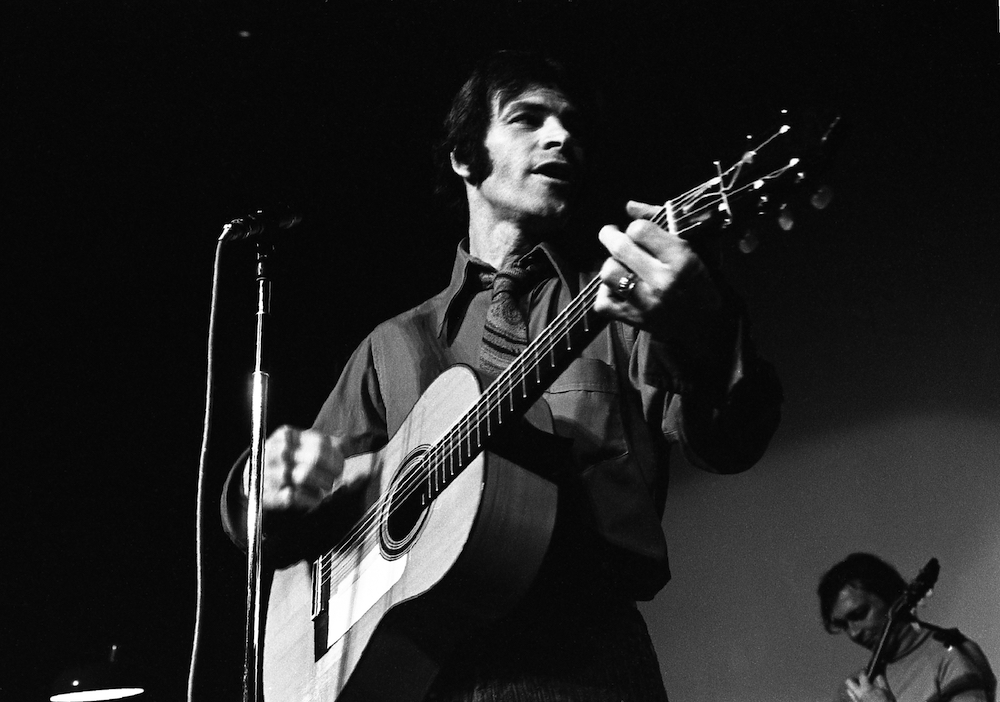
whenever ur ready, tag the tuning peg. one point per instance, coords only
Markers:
(785, 219)
(821, 198)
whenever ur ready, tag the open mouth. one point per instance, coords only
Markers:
(557, 170)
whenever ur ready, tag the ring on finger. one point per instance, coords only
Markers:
(626, 284)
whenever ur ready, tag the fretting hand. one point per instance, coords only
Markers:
(653, 279)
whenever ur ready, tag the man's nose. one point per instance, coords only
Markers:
(555, 133)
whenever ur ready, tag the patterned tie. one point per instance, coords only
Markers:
(506, 332)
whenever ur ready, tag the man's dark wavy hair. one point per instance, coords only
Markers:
(503, 75)
(862, 570)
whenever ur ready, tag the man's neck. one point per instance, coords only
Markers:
(500, 243)
(905, 639)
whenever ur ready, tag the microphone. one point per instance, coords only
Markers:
(260, 223)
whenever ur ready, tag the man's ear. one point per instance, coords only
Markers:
(459, 168)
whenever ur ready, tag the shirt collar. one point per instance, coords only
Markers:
(465, 277)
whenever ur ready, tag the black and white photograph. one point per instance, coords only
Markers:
(501, 351)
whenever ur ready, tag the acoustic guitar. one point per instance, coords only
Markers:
(452, 534)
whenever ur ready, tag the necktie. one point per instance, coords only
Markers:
(506, 332)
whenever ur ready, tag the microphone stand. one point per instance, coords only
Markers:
(254, 630)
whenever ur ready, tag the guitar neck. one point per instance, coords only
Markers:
(522, 383)
(876, 664)
(515, 389)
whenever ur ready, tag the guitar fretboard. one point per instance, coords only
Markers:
(523, 382)
(514, 390)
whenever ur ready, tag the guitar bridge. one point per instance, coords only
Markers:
(343, 591)
(320, 598)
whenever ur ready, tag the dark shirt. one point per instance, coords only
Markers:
(618, 408)
(621, 404)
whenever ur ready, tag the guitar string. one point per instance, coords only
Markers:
(490, 403)
(441, 458)
(502, 385)
(487, 403)
(437, 458)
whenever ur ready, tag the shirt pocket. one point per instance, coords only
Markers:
(585, 407)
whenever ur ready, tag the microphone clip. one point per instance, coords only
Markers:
(258, 224)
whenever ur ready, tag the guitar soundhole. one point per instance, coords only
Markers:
(405, 508)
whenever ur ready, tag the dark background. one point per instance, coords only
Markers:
(135, 130)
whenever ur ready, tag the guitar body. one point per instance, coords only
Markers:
(374, 620)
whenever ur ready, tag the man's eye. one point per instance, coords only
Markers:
(524, 118)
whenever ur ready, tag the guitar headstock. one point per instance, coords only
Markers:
(915, 593)
(763, 188)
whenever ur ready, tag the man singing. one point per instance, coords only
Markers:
(672, 366)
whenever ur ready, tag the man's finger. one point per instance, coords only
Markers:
(642, 210)
(625, 250)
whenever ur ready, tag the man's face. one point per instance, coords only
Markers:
(536, 155)
(860, 614)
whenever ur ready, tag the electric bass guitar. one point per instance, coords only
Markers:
(452, 534)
